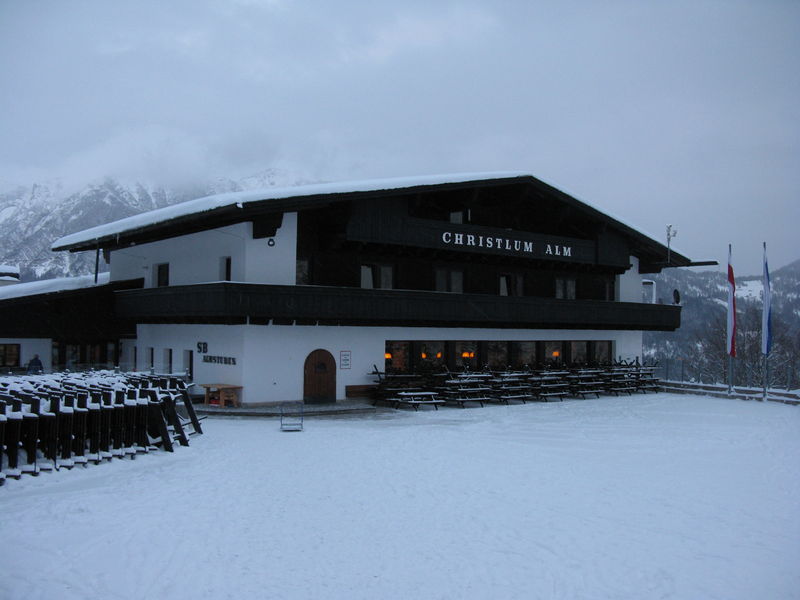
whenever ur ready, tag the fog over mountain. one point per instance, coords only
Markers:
(33, 216)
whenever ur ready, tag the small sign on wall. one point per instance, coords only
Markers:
(344, 359)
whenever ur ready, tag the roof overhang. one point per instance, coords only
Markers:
(227, 209)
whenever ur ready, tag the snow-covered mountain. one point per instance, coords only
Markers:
(33, 216)
(699, 344)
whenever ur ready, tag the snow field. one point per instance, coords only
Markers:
(659, 496)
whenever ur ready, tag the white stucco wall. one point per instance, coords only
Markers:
(273, 260)
(270, 359)
(629, 284)
(219, 340)
(195, 258)
(30, 346)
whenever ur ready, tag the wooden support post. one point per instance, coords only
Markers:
(187, 402)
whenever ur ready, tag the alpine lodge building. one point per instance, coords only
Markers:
(303, 292)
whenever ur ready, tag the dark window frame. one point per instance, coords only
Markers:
(448, 279)
(4, 355)
(511, 284)
(377, 273)
(161, 275)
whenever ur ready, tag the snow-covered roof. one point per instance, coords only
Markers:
(212, 211)
(240, 199)
(9, 273)
(49, 286)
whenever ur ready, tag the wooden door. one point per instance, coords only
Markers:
(319, 377)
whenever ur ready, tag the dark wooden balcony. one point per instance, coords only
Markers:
(242, 303)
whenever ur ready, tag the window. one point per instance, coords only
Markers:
(377, 277)
(302, 277)
(161, 275)
(512, 284)
(225, 268)
(565, 288)
(429, 354)
(553, 353)
(578, 352)
(168, 360)
(524, 354)
(497, 355)
(466, 354)
(449, 280)
(602, 352)
(151, 358)
(460, 216)
(397, 357)
(188, 363)
(9, 355)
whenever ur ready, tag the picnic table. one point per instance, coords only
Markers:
(584, 383)
(462, 390)
(416, 399)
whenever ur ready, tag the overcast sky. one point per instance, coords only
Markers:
(679, 112)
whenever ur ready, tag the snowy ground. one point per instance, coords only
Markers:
(660, 496)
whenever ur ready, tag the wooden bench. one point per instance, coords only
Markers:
(546, 395)
(552, 390)
(417, 399)
(360, 391)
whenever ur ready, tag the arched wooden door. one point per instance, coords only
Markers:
(319, 377)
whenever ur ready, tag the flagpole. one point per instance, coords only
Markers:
(766, 322)
(731, 329)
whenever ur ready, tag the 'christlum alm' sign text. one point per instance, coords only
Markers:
(491, 242)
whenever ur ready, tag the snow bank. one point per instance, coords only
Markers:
(659, 496)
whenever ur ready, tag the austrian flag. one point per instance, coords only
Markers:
(731, 307)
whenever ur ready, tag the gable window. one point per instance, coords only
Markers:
(161, 275)
(449, 280)
(512, 284)
(565, 288)
(375, 277)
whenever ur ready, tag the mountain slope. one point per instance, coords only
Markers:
(32, 217)
(699, 344)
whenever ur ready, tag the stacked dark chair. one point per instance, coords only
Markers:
(59, 421)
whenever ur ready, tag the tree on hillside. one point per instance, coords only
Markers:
(705, 358)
